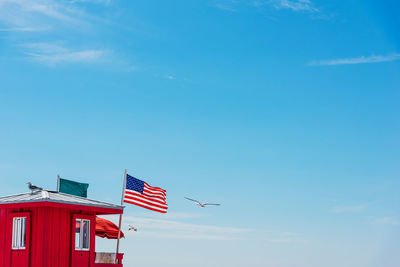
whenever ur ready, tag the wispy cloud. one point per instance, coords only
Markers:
(162, 228)
(53, 54)
(224, 6)
(34, 22)
(104, 2)
(391, 220)
(83, 56)
(37, 13)
(348, 209)
(174, 225)
(295, 5)
(24, 29)
(356, 60)
(285, 237)
(171, 77)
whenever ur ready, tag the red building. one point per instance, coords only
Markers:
(49, 229)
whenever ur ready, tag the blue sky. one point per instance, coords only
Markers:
(284, 111)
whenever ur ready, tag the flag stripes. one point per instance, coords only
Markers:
(140, 193)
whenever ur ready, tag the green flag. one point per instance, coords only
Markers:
(72, 187)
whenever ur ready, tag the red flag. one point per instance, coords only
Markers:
(107, 229)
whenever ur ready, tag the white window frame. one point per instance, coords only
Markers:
(19, 233)
(79, 246)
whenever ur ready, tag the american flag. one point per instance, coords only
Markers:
(139, 193)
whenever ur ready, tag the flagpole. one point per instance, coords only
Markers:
(120, 216)
(58, 183)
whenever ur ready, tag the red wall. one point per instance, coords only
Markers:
(2, 235)
(50, 236)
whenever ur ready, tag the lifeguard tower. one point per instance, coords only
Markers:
(52, 229)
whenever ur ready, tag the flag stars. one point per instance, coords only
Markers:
(135, 184)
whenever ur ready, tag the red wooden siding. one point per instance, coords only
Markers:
(51, 236)
(77, 208)
(3, 216)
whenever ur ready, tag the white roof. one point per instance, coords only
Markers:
(54, 196)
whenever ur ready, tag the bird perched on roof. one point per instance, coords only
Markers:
(34, 188)
(201, 205)
(132, 228)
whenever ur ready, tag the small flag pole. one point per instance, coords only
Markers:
(120, 216)
(58, 183)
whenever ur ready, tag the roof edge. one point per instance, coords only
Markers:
(45, 197)
(116, 207)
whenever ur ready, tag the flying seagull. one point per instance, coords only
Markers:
(202, 205)
(34, 187)
(132, 228)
